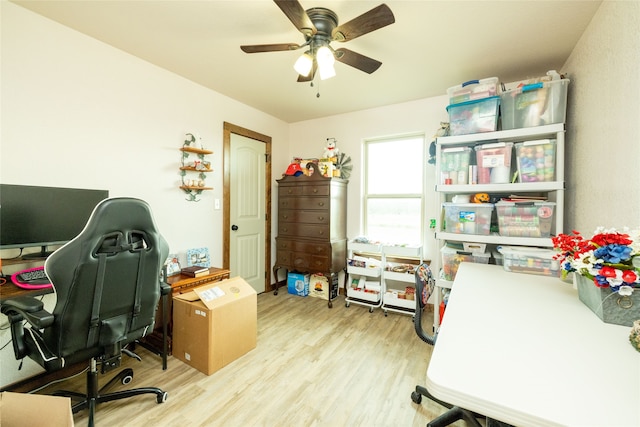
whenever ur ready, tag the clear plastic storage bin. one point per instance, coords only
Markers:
(522, 259)
(467, 218)
(536, 160)
(494, 163)
(536, 104)
(454, 167)
(474, 116)
(451, 259)
(525, 219)
(473, 90)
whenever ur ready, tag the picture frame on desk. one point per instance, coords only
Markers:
(173, 265)
(199, 257)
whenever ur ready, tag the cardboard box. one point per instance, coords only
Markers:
(20, 409)
(298, 284)
(319, 286)
(215, 324)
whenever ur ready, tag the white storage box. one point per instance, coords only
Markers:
(536, 104)
(525, 219)
(364, 266)
(536, 160)
(467, 218)
(454, 167)
(522, 259)
(363, 289)
(473, 89)
(494, 163)
(452, 258)
(474, 116)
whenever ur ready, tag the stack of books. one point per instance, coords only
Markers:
(195, 271)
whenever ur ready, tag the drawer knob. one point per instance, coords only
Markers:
(315, 190)
(285, 216)
(320, 203)
(290, 191)
(320, 218)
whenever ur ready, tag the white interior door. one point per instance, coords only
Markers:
(247, 210)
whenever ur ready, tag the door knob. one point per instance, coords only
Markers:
(234, 227)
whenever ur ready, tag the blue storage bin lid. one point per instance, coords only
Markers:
(475, 101)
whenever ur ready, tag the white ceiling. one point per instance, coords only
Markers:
(432, 45)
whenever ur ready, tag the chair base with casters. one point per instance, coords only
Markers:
(455, 413)
(424, 288)
(94, 395)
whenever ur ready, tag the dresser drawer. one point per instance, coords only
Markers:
(300, 216)
(283, 257)
(307, 262)
(291, 190)
(316, 190)
(303, 230)
(308, 203)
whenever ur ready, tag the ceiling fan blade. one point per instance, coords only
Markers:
(372, 20)
(356, 60)
(257, 48)
(314, 68)
(297, 15)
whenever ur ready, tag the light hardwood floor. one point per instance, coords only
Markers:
(313, 366)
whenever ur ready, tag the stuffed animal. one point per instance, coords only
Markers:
(331, 150)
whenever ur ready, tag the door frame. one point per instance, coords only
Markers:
(228, 129)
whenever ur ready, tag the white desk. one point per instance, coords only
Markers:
(524, 350)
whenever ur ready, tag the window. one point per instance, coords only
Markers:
(394, 189)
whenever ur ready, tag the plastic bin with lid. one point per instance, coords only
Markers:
(525, 219)
(467, 218)
(494, 162)
(452, 258)
(474, 116)
(523, 259)
(473, 89)
(536, 104)
(454, 167)
(536, 160)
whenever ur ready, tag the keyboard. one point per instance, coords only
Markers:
(32, 278)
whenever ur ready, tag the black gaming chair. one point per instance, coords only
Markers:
(424, 288)
(107, 283)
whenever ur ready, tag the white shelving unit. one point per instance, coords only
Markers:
(553, 189)
(360, 297)
(396, 282)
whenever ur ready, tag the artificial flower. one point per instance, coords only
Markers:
(609, 258)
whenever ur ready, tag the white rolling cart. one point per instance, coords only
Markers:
(394, 283)
(368, 274)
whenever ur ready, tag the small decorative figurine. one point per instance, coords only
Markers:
(331, 150)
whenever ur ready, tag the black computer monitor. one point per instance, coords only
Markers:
(32, 216)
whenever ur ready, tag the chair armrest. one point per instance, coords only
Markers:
(165, 288)
(30, 309)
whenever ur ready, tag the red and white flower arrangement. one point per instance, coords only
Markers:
(609, 258)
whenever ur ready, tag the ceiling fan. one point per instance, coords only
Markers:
(320, 27)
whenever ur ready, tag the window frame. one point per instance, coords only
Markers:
(421, 196)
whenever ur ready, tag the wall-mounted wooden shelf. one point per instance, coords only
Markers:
(196, 150)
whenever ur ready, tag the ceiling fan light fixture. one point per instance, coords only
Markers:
(325, 59)
(326, 72)
(304, 64)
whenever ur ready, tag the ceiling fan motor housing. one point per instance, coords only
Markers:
(325, 21)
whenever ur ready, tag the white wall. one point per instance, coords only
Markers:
(603, 121)
(79, 113)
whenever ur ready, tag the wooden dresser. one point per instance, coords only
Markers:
(312, 223)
